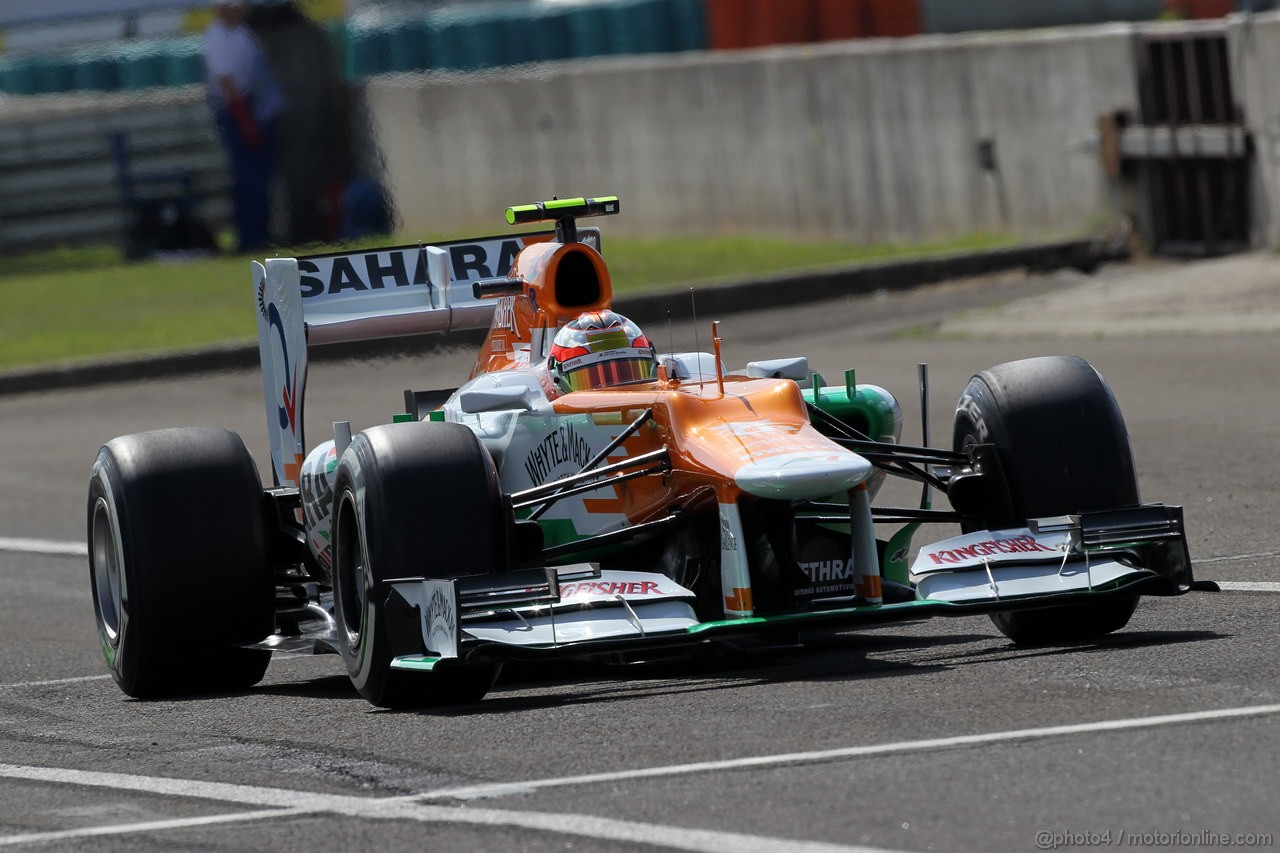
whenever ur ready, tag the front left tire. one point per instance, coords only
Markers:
(178, 562)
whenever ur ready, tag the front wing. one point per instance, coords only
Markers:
(1143, 583)
(580, 612)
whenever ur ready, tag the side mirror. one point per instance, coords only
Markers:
(690, 366)
(780, 368)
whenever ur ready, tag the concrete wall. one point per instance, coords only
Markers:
(1255, 57)
(869, 141)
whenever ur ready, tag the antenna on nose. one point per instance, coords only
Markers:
(697, 347)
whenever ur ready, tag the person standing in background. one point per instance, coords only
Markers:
(246, 101)
(314, 154)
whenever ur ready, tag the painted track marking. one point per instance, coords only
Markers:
(50, 682)
(1261, 555)
(149, 826)
(796, 758)
(1249, 586)
(43, 546)
(285, 803)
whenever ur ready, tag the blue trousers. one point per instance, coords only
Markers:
(252, 168)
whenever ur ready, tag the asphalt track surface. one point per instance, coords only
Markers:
(935, 735)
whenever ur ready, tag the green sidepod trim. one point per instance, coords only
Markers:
(869, 409)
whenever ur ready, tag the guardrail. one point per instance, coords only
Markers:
(59, 182)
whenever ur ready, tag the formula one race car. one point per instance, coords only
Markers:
(583, 496)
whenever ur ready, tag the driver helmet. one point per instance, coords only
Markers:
(600, 349)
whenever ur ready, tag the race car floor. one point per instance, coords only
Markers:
(932, 735)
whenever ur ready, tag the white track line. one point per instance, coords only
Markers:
(1249, 586)
(794, 758)
(43, 546)
(1261, 555)
(149, 826)
(52, 682)
(289, 803)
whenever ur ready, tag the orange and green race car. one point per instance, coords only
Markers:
(582, 495)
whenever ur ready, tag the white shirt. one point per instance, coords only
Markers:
(230, 52)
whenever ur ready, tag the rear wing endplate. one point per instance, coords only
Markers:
(345, 297)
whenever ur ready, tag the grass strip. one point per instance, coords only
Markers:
(76, 304)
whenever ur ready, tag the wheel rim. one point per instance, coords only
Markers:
(107, 580)
(349, 572)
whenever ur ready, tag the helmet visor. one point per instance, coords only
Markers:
(606, 374)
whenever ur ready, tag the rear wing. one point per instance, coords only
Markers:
(345, 297)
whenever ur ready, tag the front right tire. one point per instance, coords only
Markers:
(1064, 449)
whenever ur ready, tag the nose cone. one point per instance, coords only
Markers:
(803, 475)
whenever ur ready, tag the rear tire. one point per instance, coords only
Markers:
(1064, 448)
(178, 562)
(412, 500)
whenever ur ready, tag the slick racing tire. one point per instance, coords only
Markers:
(413, 499)
(178, 562)
(1063, 446)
